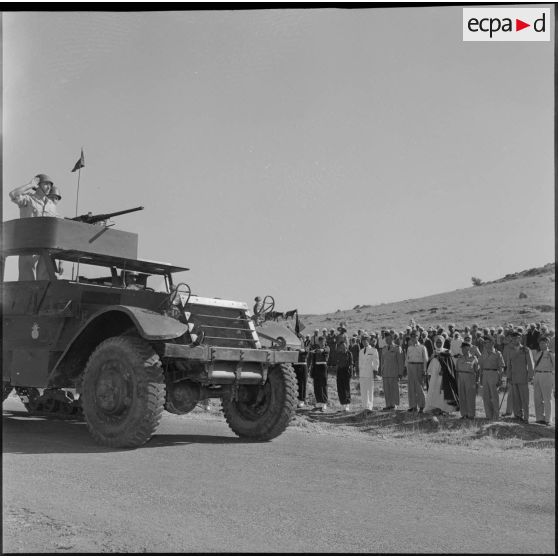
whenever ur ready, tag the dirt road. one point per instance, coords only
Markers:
(195, 488)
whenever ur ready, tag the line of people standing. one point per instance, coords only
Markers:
(449, 367)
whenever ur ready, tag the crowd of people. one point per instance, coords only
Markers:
(444, 368)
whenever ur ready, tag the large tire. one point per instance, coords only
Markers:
(123, 392)
(263, 412)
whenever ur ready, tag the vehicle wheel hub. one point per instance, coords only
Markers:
(113, 391)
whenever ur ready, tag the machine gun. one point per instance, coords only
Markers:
(91, 219)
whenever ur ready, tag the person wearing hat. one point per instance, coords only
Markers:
(519, 372)
(344, 364)
(531, 339)
(341, 336)
(467, 366)
(543, 382)
(392, 370)
(381, 345)
(491, 366)
(416, 361)
(258, 306)
(314, 339)
(354, 347)
(508, 338)
(33, 201)
(369, 362)
(33, 198)
(319, 357)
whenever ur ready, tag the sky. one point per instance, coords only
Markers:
(325, 157)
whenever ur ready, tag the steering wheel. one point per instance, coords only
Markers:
(176, 291)
(268, 304)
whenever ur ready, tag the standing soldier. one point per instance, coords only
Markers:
(473, 349)
(491, 365)
(543, 382)
(416, 361)
(369, 362)
(519, 371)
(393, 365)
(344, 362)
(314, 339)
(355, 350)
(33, 201)
(381, 345)
(467, 370)
(532, 338)
(507, 343)
(319, 357)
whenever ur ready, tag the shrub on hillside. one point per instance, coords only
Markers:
(477, 282)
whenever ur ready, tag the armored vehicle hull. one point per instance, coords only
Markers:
(89, 336)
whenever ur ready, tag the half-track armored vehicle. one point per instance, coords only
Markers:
(104, 335)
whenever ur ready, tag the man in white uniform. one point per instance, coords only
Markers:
(543, 381)
(416, 362)
(369, 362)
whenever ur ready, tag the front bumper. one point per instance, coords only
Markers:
(228, 365)
(205, 353)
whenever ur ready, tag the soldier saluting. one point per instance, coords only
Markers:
(35, 199)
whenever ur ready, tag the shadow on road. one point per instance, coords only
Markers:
(24, 434)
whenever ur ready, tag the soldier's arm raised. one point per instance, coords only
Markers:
(28, 188)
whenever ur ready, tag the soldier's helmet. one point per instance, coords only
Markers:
(44, 178)
(54, 193)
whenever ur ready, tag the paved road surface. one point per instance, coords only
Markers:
(195, 488)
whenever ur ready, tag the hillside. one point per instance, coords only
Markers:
(491, 304)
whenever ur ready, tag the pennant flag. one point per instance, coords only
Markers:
(80, 163)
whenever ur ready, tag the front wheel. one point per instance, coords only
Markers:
(123, 392)
(263, 412)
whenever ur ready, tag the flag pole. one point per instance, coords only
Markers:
(77, 195)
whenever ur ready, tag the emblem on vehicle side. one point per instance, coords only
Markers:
(35, 331)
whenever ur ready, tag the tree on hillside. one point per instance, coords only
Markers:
(476, 281)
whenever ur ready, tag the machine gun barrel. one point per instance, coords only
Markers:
(92, 219)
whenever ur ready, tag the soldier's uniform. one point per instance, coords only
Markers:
(416, 361)
(543, 384)
(344, 361)
(509, 400)
(319, 358)
(33, 205)
(519, 370)
(467, 369)
(393, 363)
(491, 365)
(369, 361)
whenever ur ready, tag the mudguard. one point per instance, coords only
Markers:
(150, 325)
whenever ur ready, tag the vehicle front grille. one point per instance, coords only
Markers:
(222, 326)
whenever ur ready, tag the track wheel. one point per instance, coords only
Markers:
(123, 392)
(263, 412)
